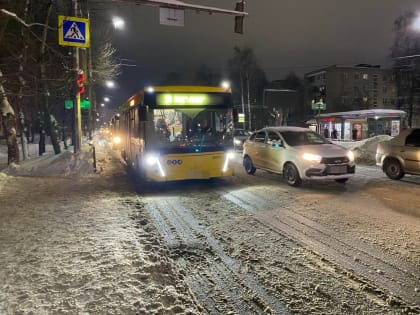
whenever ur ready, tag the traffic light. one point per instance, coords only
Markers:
(80, 82)
(239, 20)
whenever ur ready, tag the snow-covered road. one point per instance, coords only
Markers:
(98, 243)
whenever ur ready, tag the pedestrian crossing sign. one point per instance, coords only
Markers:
(73, 31)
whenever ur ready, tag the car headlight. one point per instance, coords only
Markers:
(350, 155)
(116, 140)
(237, 142)
(312, 157)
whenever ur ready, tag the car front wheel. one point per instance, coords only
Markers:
(291, 174)
(393, 169)
(249, 167)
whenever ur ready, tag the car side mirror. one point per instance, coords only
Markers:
(276, 143)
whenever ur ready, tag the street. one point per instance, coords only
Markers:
(249, 244)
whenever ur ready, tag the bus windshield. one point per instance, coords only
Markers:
(177, 130)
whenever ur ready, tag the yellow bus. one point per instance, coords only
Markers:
(176, 132)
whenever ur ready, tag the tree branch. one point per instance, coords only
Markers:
(14, 16)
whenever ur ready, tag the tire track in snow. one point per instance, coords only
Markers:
(396, 277)
(222, 284)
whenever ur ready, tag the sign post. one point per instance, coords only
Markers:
(318, 106)
(74, 31)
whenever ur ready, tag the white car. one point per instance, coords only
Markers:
(297, 153)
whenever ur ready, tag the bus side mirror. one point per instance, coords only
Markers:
(143, 115)
(235, 116)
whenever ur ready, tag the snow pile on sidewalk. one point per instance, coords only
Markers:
(364, 150)
(64, 164)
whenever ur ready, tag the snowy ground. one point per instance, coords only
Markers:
(75, 241)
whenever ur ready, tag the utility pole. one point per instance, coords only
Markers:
(92, 107)
(77, 111)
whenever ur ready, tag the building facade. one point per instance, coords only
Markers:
(349, 88)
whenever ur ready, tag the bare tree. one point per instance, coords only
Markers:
(8, 120)
(37, 72)
(248, 77)
(7, 113)
(205, 75)
(104, 65)
(406, 55)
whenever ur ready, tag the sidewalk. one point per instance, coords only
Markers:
(82, 244)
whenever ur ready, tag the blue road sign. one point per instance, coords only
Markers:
(73, 31)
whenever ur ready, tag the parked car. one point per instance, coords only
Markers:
(297, 153)
(238, 137)
(400, 155)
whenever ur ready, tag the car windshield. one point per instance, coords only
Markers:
(296, 138)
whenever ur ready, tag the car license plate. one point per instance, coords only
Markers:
(338, 169)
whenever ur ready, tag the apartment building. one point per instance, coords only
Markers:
(347, 88)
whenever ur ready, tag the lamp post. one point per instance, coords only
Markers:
(118, 23)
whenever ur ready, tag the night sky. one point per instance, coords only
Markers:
(286, 35)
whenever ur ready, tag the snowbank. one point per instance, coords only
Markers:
(364, 150)
(65, 164)
(49, 164)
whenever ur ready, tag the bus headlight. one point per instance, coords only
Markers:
(116, 140)
(151, 160)
(229, 156)
(154, 160)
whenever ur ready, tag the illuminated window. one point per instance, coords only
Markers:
(365, 76)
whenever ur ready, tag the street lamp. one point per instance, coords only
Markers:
(118, 22)
(416, 24)
(225, 84)
(110, 84)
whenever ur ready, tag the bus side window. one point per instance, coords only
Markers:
(143, 113)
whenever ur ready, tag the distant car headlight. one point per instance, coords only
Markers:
(312, 157)
(116, 140)
(350, 155)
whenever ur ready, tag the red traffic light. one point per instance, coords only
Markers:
(80, 82)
